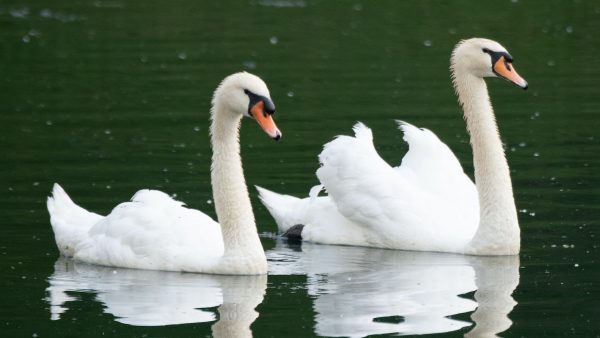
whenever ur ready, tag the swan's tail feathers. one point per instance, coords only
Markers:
(286, 210)
(70, 222)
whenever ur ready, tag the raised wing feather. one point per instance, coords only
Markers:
(405, 207)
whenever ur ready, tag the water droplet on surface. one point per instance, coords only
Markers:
(551, 63)
(46, 13)
(208, 201)
(569, 29)
(108, 187)
(107, 131)
(536, 154)
(273, 40)
(34, 33)
(196, 128)
(427, 43)
(19, 13)
(182, 56)
(48, 123)
(290, 94)
(249, 65)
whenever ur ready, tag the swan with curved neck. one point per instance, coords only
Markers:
(427, 203)
(153, 231)
(498, 231)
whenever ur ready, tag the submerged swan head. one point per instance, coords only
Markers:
(245, 94)
(484, 58)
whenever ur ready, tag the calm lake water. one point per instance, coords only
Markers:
(108, 96)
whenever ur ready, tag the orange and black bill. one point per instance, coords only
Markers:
(504, 68)
(261, 112)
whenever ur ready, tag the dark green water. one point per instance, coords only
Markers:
(109, 96)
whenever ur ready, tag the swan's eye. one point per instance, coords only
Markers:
(268, 106)
(494, 55)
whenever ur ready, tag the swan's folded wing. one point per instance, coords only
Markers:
(153, 231)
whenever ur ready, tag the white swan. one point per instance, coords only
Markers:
(427, 203)
(155, 232)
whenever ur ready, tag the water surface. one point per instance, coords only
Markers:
(108, 97)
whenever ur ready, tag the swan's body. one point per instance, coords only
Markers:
(153, 231)
(371, 190)
(427, 203)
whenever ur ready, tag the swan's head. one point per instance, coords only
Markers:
(484, 58)
(244, 94)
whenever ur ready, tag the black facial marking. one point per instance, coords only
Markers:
(496, 56)
(254, 99)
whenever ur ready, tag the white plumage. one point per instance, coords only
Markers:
(373, 198)
(154, 231)
(427, 203)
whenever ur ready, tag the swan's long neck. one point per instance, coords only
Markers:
(243, 249)
(498, 232)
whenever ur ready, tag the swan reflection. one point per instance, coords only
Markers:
(153, 298)
(363, 291)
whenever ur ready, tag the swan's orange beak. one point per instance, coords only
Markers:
(265, 120)
(506, 70)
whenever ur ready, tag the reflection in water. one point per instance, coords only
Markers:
(152, 298)
(363, 291)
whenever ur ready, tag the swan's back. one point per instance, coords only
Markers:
(153, 231)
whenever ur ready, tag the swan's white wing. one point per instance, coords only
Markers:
(153, 231)
(435, 168)
(425, 204)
